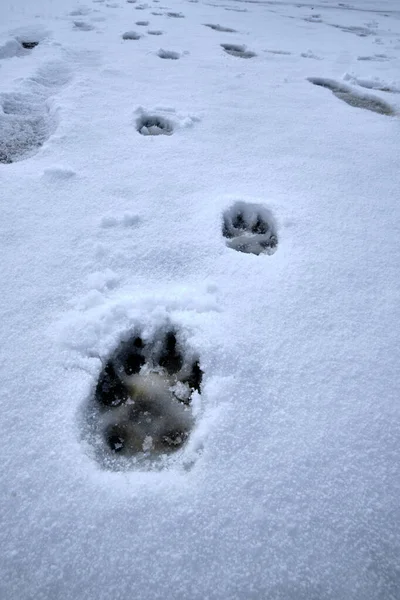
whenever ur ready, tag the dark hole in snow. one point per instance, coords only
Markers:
(195, 377)
(109, 390)
(29, 45)
(171, 359)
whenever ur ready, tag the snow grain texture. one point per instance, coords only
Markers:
(288, 485)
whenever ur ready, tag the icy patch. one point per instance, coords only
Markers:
(250, 228)
(168, 54)
(220, 28)
(238, 50)
(354, 98)
(155, 32)
(142, 23)
(131, 35)
(175, 15)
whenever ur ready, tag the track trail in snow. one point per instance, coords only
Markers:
(200, 297)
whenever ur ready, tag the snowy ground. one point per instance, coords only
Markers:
(288, 487)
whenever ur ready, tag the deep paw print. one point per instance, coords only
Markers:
(249, 228)
(168, 54)
(148, 124)
(141, 405)
(238, 50)
(131, 35)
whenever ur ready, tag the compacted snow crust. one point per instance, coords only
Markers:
(228, 173)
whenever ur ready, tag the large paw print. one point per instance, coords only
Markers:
(142, 399)
(249, 228)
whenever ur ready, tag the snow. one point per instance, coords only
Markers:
(288, 485)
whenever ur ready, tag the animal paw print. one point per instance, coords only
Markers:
(238, 50)
(249, 228)
(148, 124)
(142, 403)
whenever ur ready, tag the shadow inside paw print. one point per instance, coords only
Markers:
(220, 28)
(131, 35)
(249, 228)
(29, 45)
(154, 125)
(238, 50)
(141, 405)
(82, 26)
(168, 54)
(353, 97)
